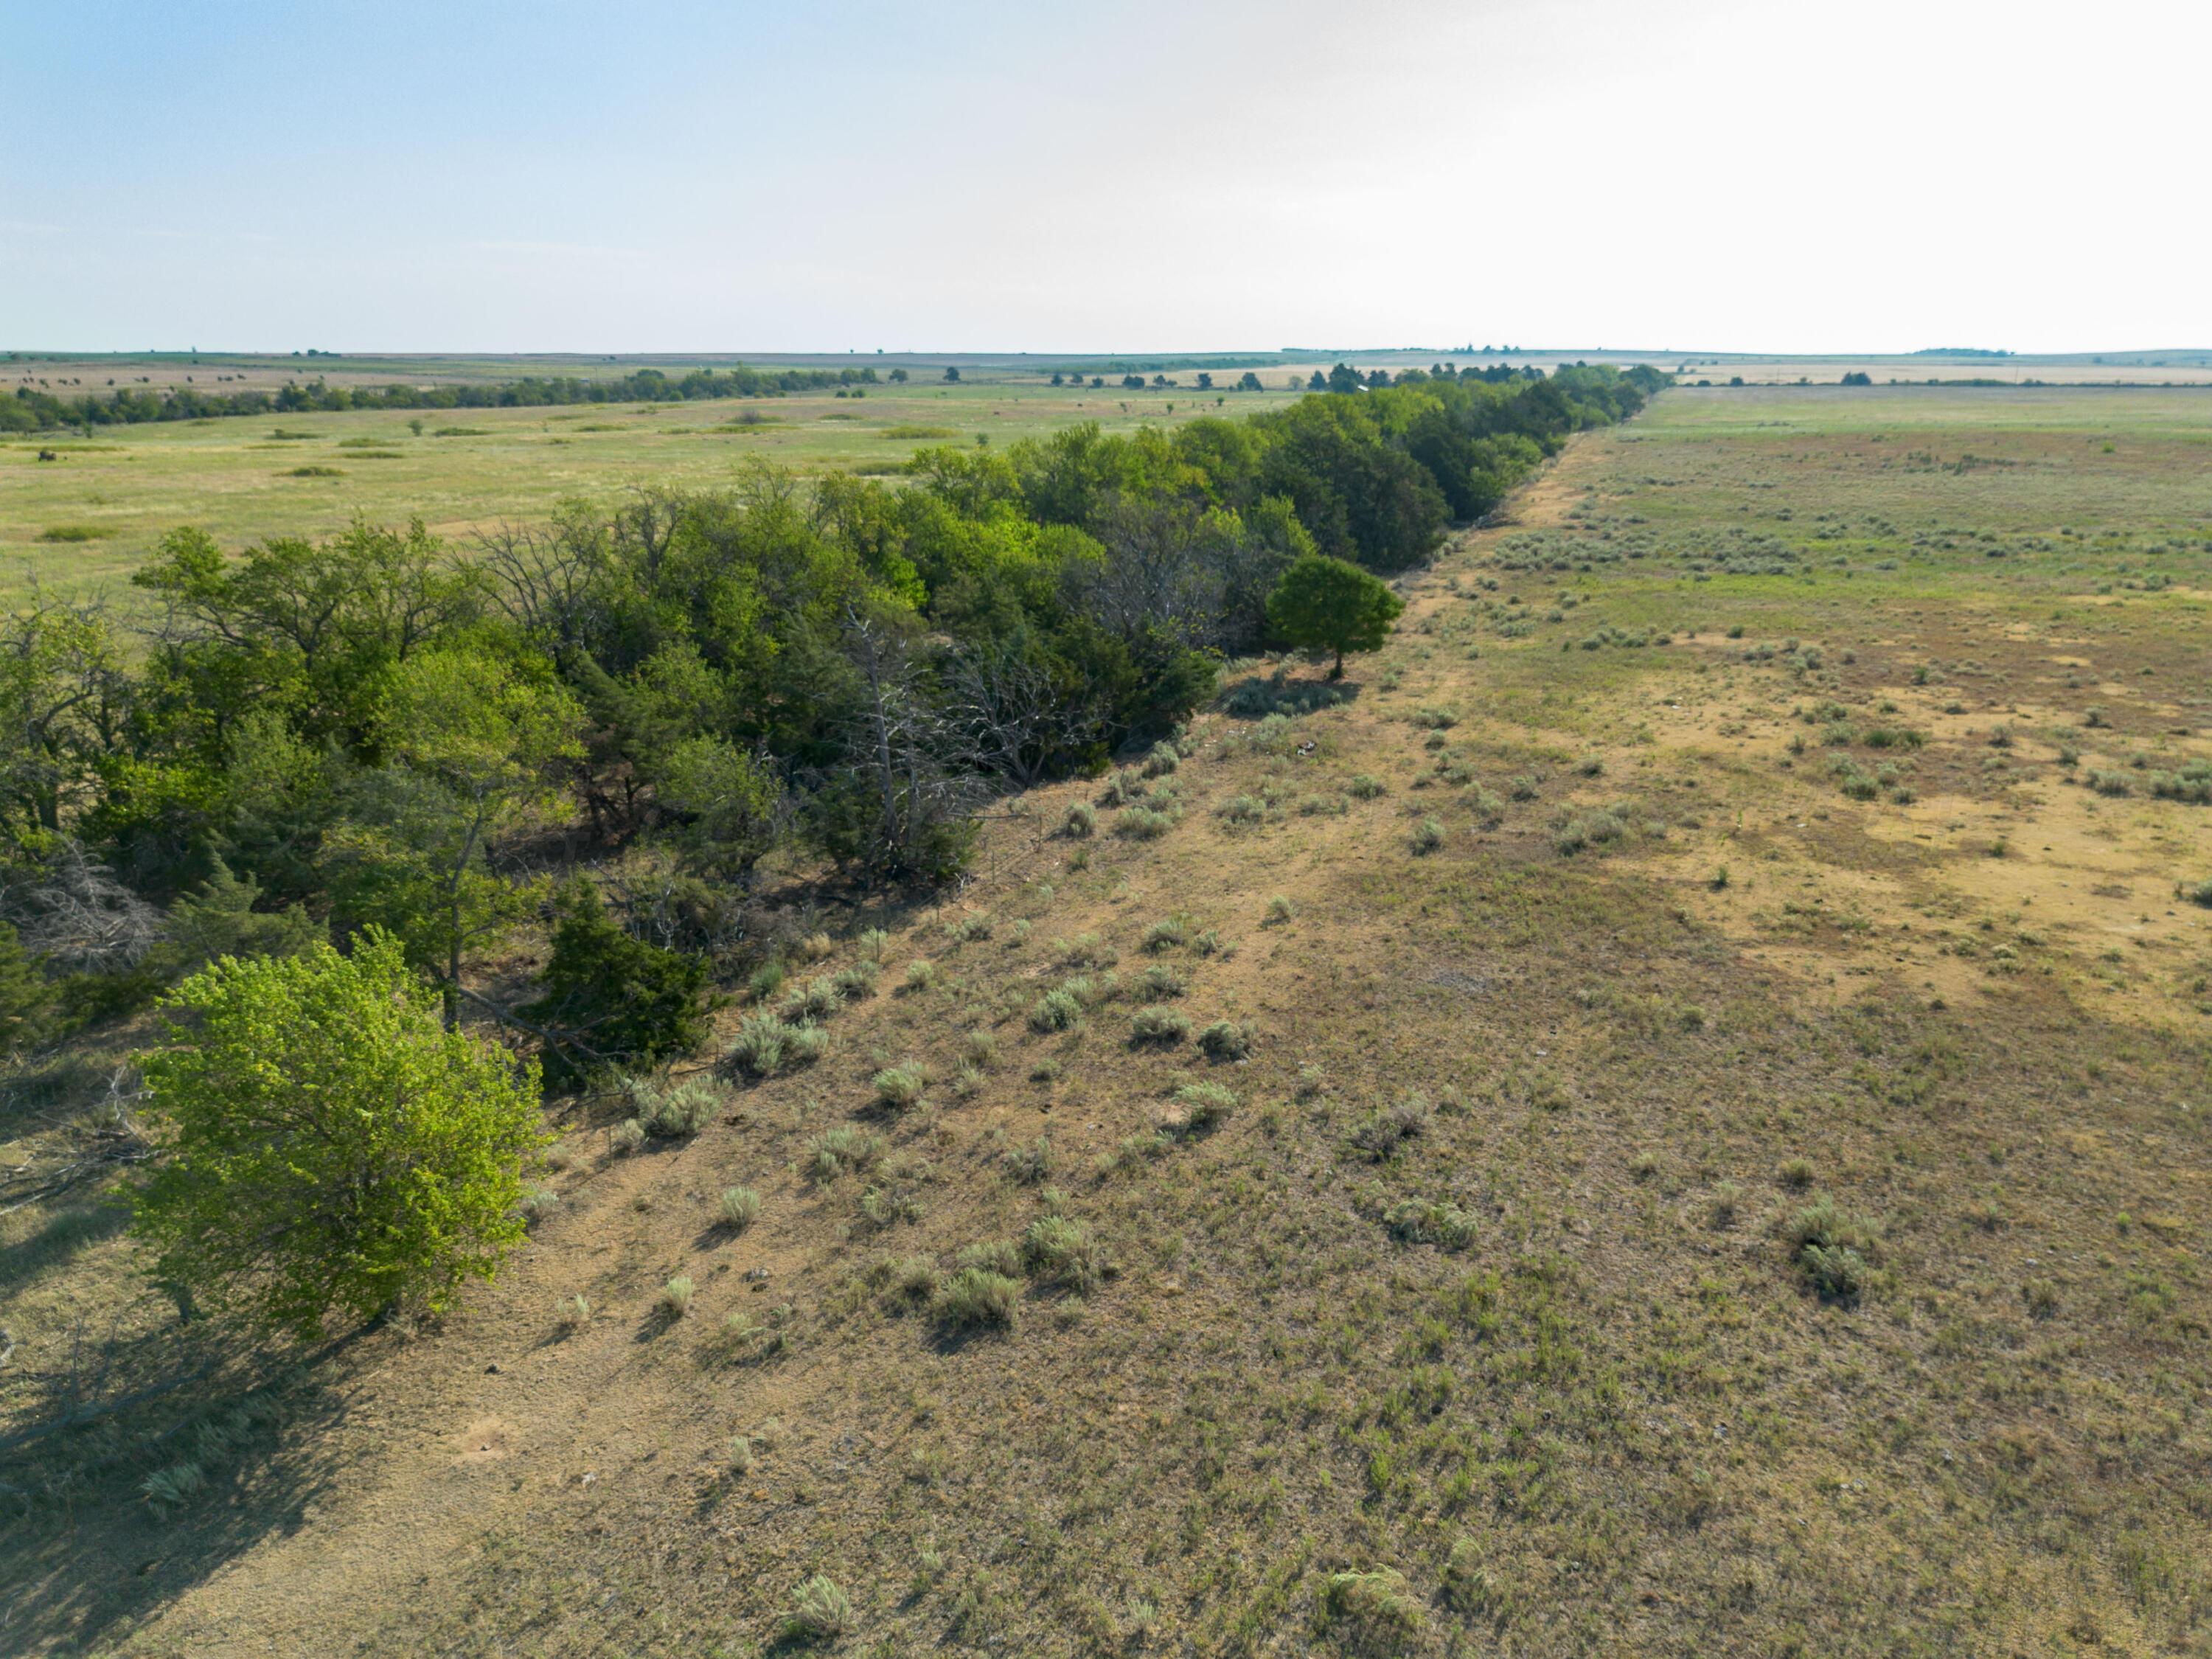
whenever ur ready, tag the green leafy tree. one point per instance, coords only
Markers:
(611, 999)
(1325, 604)
(220, 920)
(26, 995)
(476, 748)
(331, 1149)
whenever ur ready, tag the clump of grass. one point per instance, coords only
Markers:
(805, 1044)
(1377, 1605)
(1280, 910)
(1833, 1250)
(571, 1312)
(1428, 835)
(909, 1282)
(967, 929)
(1242, 811)
(2201, 893)
(626, 1137)
(673, 1114)
(1162, 759)
(316, 472)
(1080, 822)
(981, 1049)
(1727, 1205)
(73, 532)
(1444, 1224)
(537, 1204)
(1597, 829)
(921, 973)
(738, 1208)
(841, 1149)
(676, 1296)
(1796, 1173)
(1163, 1026)
(1224, 1041)
(820, 1612)
(899, 1088)
(1383, 1132)
(1364, 787)
(977, 1298)
(1061, 1251)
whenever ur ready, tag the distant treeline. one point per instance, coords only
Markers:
(32, 409)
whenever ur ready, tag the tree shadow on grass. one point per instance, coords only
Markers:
(154, 1459)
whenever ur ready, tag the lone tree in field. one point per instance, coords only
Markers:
(331, 1147)
(1325, 604)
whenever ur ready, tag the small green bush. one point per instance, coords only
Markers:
(1061, 1251)
(820, 1612)
(1428, 835)
(1364, 787)
(1159, 1026)
(1833, 1250)
(1377, 1605)
(1205, 1106)
(899, 1088)
(977, 1298)
(1224, 1041)
(1080, 822)
(740, 1207)
(1445, 1226)
(1056, 1011)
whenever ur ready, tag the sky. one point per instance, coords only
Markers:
(1153, 175)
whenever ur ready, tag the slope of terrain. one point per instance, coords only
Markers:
(1703, 1152)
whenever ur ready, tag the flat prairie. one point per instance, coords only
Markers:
(1666, 1113)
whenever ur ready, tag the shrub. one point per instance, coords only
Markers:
(1243, 811)
(899, 1088)
(1061, 1251)
(1223, 1040)
(1434, 720)
(910, 1281)
(605, 997)
(2108, 781)
(1056, 1011)
(1162, 759)
(997, 1255)
(820, 1612)
(817, 1000)
(805, 1044)
(1158, 981)
(967, 929)
(2201, 893)
(981, 1049)
(973, 1297)
(1428, 835)
(921, 973)
(673, 1114)
(571, 1312)
(1205, 1106)
(2191, 782)
(1032, 1164)
(626, 1136)
(676, 1296)
(1161, 1025)
(1363, 786)
(856, 982)
(1597, 828)
(740, 1207)
(1080, 822)
(1280, 910)
(332, 1146)
(1142, 823)
(1167, 933)
(1797, 1172)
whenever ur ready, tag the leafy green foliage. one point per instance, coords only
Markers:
(1326, 605)
(608, 998)
(331, 1150)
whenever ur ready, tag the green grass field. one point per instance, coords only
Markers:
(1754, 841)
(89, 518)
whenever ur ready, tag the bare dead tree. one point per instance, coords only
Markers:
(1154, 575)
(546, 581)
(1008, 717)
(899, 749)
(79, 916)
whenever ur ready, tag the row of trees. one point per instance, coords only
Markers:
(32, 408)
(375, 742)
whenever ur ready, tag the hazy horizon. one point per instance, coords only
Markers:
(510, 178)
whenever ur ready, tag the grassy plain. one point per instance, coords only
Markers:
(1765, 899)
(89, 517)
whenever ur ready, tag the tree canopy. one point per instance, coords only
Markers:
(1322, 604)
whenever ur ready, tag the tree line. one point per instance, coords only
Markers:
(32, 408)
(333, 773)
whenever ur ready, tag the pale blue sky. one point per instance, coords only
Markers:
(478, 174)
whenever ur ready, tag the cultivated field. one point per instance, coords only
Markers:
(1793, 827)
